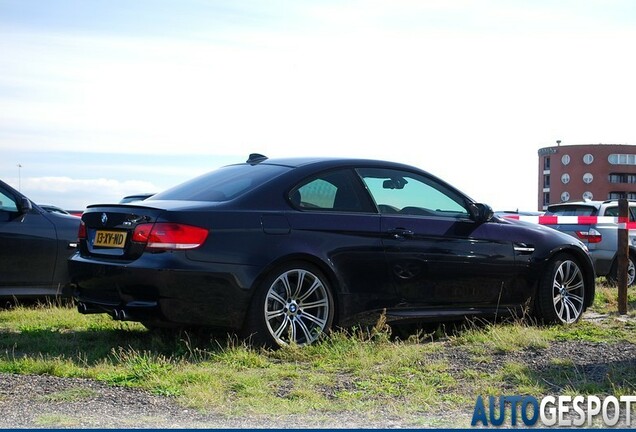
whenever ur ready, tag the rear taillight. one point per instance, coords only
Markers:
(169, 236)
(81, 231)
(591, 236)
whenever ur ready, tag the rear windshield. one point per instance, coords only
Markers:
(572, 210)
(223, 184)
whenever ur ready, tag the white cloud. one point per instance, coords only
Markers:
(453, 87)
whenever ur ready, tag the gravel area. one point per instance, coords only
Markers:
(33, 401)
(40, 401)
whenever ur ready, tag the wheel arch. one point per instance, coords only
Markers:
(588, 270)
(632, 252)
(329, 272)
(611, 276)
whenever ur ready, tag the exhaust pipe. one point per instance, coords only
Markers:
(120, 315)
(83, 308)
(117, 314)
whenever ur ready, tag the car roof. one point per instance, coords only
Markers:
(296, 162)
(596, 204)
(590, 203)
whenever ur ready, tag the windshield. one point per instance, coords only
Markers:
(223, 184)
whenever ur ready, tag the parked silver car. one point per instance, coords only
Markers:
(601, 237)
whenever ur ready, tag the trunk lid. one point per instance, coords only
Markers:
(109, 230)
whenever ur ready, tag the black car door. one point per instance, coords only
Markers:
(437, 254)
(28, 244)
(338, 222)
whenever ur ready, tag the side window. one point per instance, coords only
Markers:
(333, 190)
(318, 193)
(613, 211)
(401, 192)
(7, 203)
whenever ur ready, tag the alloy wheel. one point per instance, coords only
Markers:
(568, 291)
(631, 271)
(297, 308)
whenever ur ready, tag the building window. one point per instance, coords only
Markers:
(565, 196)
(622, 178)
(587, 195)
(622, 159)
(620, 195)
(588, 159)
(565, 178)
(546, 181)
(546, 198)
(565, 159)
(546, 163)
(588, 178)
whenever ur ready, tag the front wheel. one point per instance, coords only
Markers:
(293, 305)
(561, 294)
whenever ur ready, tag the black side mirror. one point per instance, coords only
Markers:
(480, 212)
(24, 205)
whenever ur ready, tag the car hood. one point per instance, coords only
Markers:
(545, 232)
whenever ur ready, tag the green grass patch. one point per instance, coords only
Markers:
(481, 339)
(74, 394)
(358, 371)
(606, 299)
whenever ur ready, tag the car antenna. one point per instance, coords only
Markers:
(255, 158)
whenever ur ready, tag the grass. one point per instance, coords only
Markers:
(606, 300)
(57, 421)
(364, 372)
(71, 395)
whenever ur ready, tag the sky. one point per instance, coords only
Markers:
(105, 98)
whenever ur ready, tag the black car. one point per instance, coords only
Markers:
(35, 245)
(53, 209)
(287, 249)
(136, 197)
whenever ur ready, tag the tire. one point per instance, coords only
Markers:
(561, 291)
(612, 277)
(293, 305)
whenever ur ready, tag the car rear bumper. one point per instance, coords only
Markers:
(186, 296)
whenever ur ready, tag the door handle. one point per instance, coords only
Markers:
(401, 233)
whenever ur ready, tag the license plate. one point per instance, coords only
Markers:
(113, 239)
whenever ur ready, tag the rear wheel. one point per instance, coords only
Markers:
(293, 305)
(612, 277)
(561, 294)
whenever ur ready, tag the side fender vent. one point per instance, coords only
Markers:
(523, 248)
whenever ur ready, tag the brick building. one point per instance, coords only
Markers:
(586, 171)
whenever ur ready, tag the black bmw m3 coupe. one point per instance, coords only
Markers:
(284, 250)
